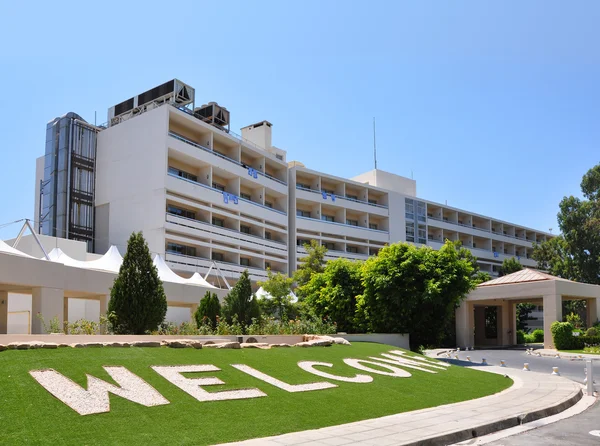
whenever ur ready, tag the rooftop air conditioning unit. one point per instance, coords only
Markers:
(213, 114)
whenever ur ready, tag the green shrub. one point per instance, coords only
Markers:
(520, 337)
(529, 339)
(562, 335)
(538, 335)
(208, 310)
(575, 320)
(591, 332)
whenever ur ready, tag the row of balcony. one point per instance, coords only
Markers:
(493, 228)
(179, 174)
(231, 160)
(333, 196)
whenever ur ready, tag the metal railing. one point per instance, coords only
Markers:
(231, 160)
(222, 192)
(342, 224)
(242, 235)
(341, 197)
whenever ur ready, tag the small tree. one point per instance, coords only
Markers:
(137, 298)
(510, 266)
(279, 288)
(240, 302)
(332, 293)
(313, 263)
(208, 310)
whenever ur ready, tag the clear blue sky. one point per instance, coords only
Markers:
(493, 106)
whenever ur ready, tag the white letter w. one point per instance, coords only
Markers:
(95, 398)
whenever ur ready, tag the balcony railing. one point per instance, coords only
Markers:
(479, 229)
(231, 160)
(241, 236)
(203, 262)
(196, 183)
(342, 224)
(341, 197)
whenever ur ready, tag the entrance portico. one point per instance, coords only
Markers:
(493, 305)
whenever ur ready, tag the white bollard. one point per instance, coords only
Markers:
(483, 361)
(555, 371)
(526, 367)
(502, 363)
(590, 378)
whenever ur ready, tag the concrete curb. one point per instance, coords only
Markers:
(485, 429)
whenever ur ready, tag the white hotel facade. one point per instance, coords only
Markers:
(204, 196)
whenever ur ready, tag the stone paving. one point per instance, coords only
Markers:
(532, 396)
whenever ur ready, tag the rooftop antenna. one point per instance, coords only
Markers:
(374, 145)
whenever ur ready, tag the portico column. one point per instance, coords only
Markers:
(591, 307)
(465, 325)
(552, 312)
(506, 308)
(3, 312)
(49, 303)
(103, 310)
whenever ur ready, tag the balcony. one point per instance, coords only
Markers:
(206, 149)
(339, 197)
(226, 196)
(229, 270)
(249, 240)
(476, 228)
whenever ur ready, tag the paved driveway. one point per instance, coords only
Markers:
(572, 369)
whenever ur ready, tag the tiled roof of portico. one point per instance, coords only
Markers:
(523, 276)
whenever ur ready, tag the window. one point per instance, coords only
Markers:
(181, 212)
(302, 186)
(372, 201)
(409, 209)
(269, 204)
(267, 265)
(301, 213)
(267, 235)
(246, 196)
(218, 186)
(352, 197)
(352, 249)
(244, 261)
(410, 231)
(245, 229)
(373, 251)
(329, 245)
(279, 157)
(421, 211)
(422, 234)
(176, 248)
(217, 256)
(327, 191)
(330, 218)
(218, 221)
(302, 242)
(351, 222)
(182, 174)
(372, 225)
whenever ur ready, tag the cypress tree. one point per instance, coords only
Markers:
(209, 308)
(137, 299)
(240, 302)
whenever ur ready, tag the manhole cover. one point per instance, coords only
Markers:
(595, 433)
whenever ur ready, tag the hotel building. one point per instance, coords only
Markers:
(208, 199)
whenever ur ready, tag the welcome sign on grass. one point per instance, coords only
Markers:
(141, 396)
(95, 398)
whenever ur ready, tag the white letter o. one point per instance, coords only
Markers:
(309, 367)
(395, 371)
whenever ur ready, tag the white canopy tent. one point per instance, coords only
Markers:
(262, 294)
(7, 249)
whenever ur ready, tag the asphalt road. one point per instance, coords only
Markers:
(571, 431)
(572, 369)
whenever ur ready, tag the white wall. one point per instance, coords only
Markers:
(389, 181)
(73, 248)
(178, 315)
(130, 177)
(19, 313)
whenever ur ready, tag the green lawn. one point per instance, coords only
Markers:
(31, 415)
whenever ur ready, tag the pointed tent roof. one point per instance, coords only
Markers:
(523, 276)
(166, 274)
(7, 249)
